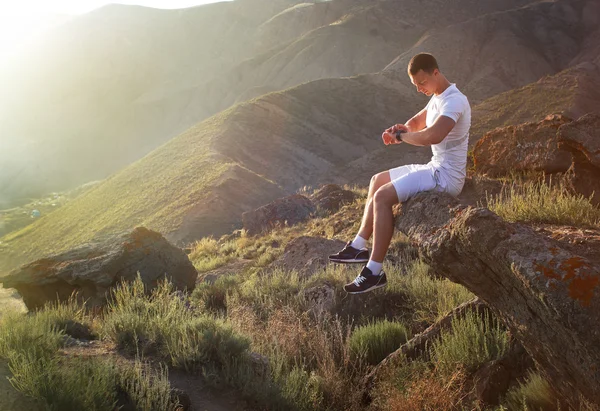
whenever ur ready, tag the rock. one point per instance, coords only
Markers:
(547, 296)
(526, 147)
(284, 211)
(582, 139)
(320, 299)
(331, 197)
(478, 188)
(78, 330)
(307, 254)
(93, 269)
(493, 379)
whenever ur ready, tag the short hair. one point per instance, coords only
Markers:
(422, 61)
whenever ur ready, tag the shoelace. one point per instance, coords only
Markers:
(359, 280)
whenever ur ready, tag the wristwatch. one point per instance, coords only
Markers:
(399, 134)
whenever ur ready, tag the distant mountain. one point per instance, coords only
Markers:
(572, 92)
(73, 106)
(500, 51)
(200, 182)
(106, 88)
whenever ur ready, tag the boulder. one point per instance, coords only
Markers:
(493, 379)
(93, 269)
(582, 139)
(546, 295)
(320, 298)
(284, 211)
(525, 147)
(308, 254)
(331, 197)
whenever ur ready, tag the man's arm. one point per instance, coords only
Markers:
(429, 136)
(417, 123)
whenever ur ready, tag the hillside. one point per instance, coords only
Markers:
(500, 51)
(200, 182)
(572, 92)
(121, 80)
(321, 131)
(83, 116)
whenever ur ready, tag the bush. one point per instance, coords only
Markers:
(164, 323)
(22, 333)
(71, 384)
(538, 202)
(471, 342)
(30, 343)
(377, 340)
(431, 298)
(213, 297)
(534, 394)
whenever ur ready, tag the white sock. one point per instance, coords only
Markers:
(359, 242)
(375, 267)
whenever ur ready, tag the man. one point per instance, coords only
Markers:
(444, 125)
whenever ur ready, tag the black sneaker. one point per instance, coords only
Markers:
(350, 255)
(365, 282)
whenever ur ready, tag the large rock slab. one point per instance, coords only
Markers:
(93, 269)
(582, 139)
(307, 255)
(283, 211)
(525, 147)
(548, 296)
(331, 197)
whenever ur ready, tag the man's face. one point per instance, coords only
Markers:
(424, 82)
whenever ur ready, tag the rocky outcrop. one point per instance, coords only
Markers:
(582, 139)
(320, 299)
(284, 211)
(93, 269)
(331, 197)
(526, 147)
(546, 295)
(307, 254)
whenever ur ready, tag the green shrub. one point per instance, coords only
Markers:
(68, 384)
(301, 388)
(147, 389)
(431, 298)
(163, 323)
(266, 290)
(471, 342)
(22, 333)
(534, 394)
(377, 340)
(212, 297)
(538, 202)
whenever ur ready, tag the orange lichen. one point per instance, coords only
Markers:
(577, 272)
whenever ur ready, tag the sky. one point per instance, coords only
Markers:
(20, 19)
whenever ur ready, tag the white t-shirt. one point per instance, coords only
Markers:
(450, 156)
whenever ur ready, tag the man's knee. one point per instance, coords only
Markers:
(385, 196)
(380, 179)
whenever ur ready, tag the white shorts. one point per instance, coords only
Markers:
(411, 179)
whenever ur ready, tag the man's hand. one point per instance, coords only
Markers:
(389, 135)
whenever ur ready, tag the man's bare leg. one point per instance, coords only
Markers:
(383, 201)
(377, 181)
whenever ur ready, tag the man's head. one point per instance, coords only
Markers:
(424, 73)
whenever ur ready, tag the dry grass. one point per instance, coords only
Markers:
(540, 202)
(423, 390)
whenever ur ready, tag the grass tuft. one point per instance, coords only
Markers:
(377, 340)
(539, 202)
(472, 341)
